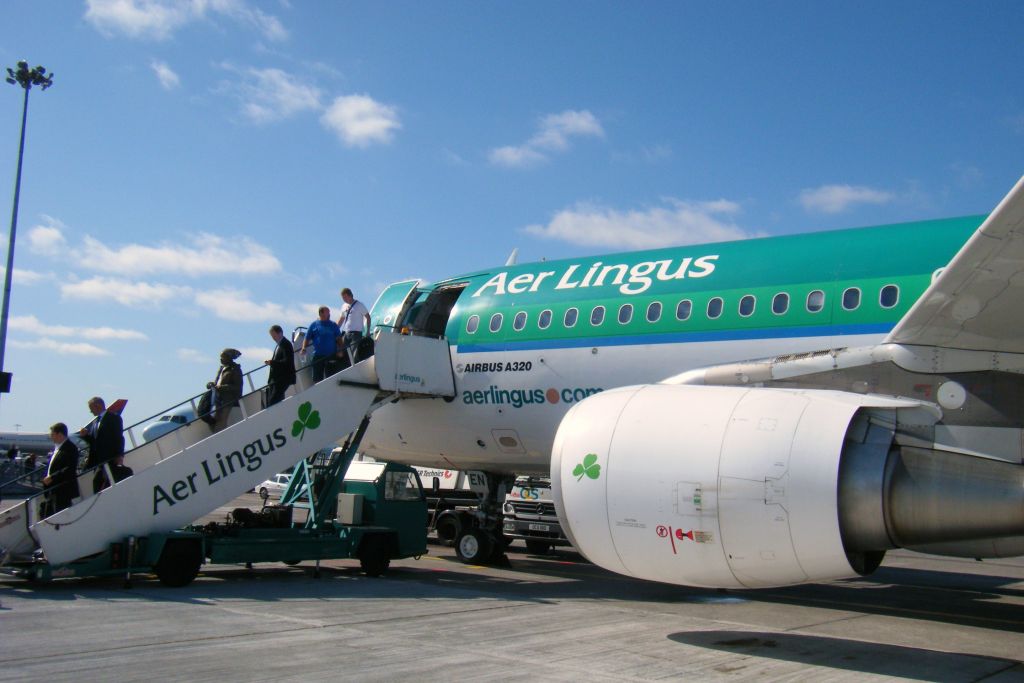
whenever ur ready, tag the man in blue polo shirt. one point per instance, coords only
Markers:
(322, 335)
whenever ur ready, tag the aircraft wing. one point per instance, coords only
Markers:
(977, 303)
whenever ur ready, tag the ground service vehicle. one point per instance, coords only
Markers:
(529, 514)
(146, 521)
(377, 512)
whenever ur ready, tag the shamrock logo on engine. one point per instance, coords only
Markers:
(588, 467)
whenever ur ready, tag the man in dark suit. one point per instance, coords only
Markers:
(282, 366)
(61, 482)
(105, 436)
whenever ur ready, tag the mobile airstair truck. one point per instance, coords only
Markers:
(139, 524)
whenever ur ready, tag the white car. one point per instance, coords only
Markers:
(277, 483)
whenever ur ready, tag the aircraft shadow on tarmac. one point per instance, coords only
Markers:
(852, 655)
(990, 602)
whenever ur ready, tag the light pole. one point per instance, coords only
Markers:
(26, 78)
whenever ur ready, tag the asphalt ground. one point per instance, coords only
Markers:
(552, 617)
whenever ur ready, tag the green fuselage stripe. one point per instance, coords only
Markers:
(876, 261)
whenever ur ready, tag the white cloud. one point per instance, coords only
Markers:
(516, 157)
(194, 356)
(360, 121)
(165, 74)
(556, 129)
(554, 132)
(26, 278)
(208, 255)
(269, 95)
(159, 19)
(32, 325)
(268, 25)
(47, 238)
(253, 356)
(64, 349)
(678, 223)
(838, 198)
(124, 292)
(237, 305)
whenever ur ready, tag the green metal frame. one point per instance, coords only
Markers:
(322, 483)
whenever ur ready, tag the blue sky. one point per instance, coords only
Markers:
(203, 169)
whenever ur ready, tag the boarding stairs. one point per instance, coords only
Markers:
(189, 472)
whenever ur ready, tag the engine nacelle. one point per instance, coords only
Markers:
(710, 486)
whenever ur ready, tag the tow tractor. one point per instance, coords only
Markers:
(375, 512)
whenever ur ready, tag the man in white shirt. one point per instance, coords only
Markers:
(354, 321)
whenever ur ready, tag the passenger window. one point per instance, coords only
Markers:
(472, 324)
(597, 316)
(715, 307)
(889, 296)
(544, 320)
(570, 317)
(815, 301)
(780, 303)
(654, 312)
(496, 322)
(747, 304)
(519, 322)
(683, 309)
(625, 313)
(851, 299)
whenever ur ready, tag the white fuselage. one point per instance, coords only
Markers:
(508, 405)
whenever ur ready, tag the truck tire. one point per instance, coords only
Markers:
(263, 492)
(179, 562)
(538, 547)
(474, 546)
(374, 556)
(448, 528)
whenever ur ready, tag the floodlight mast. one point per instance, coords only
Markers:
(26, 78)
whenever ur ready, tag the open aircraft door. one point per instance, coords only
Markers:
(393, 303)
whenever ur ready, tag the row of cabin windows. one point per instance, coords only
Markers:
(888, 297)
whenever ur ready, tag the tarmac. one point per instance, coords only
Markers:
(552, 617)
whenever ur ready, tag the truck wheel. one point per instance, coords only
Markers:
(264, 494)
(179, 563)
(474, 546)
(374, 556)
(448, 529)
(538, 547)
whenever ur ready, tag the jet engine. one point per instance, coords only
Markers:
(733, 487)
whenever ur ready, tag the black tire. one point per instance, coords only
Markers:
(291, 563)
(179, 562)
(538, 547)
(448, 528)
(474, 546)
(375, 555)
(263, 492)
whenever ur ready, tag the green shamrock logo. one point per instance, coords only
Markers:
(589, 467)
(308, 418)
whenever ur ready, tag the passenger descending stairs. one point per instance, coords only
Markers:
(189, 472)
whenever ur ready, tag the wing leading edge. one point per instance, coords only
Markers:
(976, 303)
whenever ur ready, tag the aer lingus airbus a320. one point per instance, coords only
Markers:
(744, 414)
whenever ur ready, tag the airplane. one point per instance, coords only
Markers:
(743, 414)
(168, 422)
